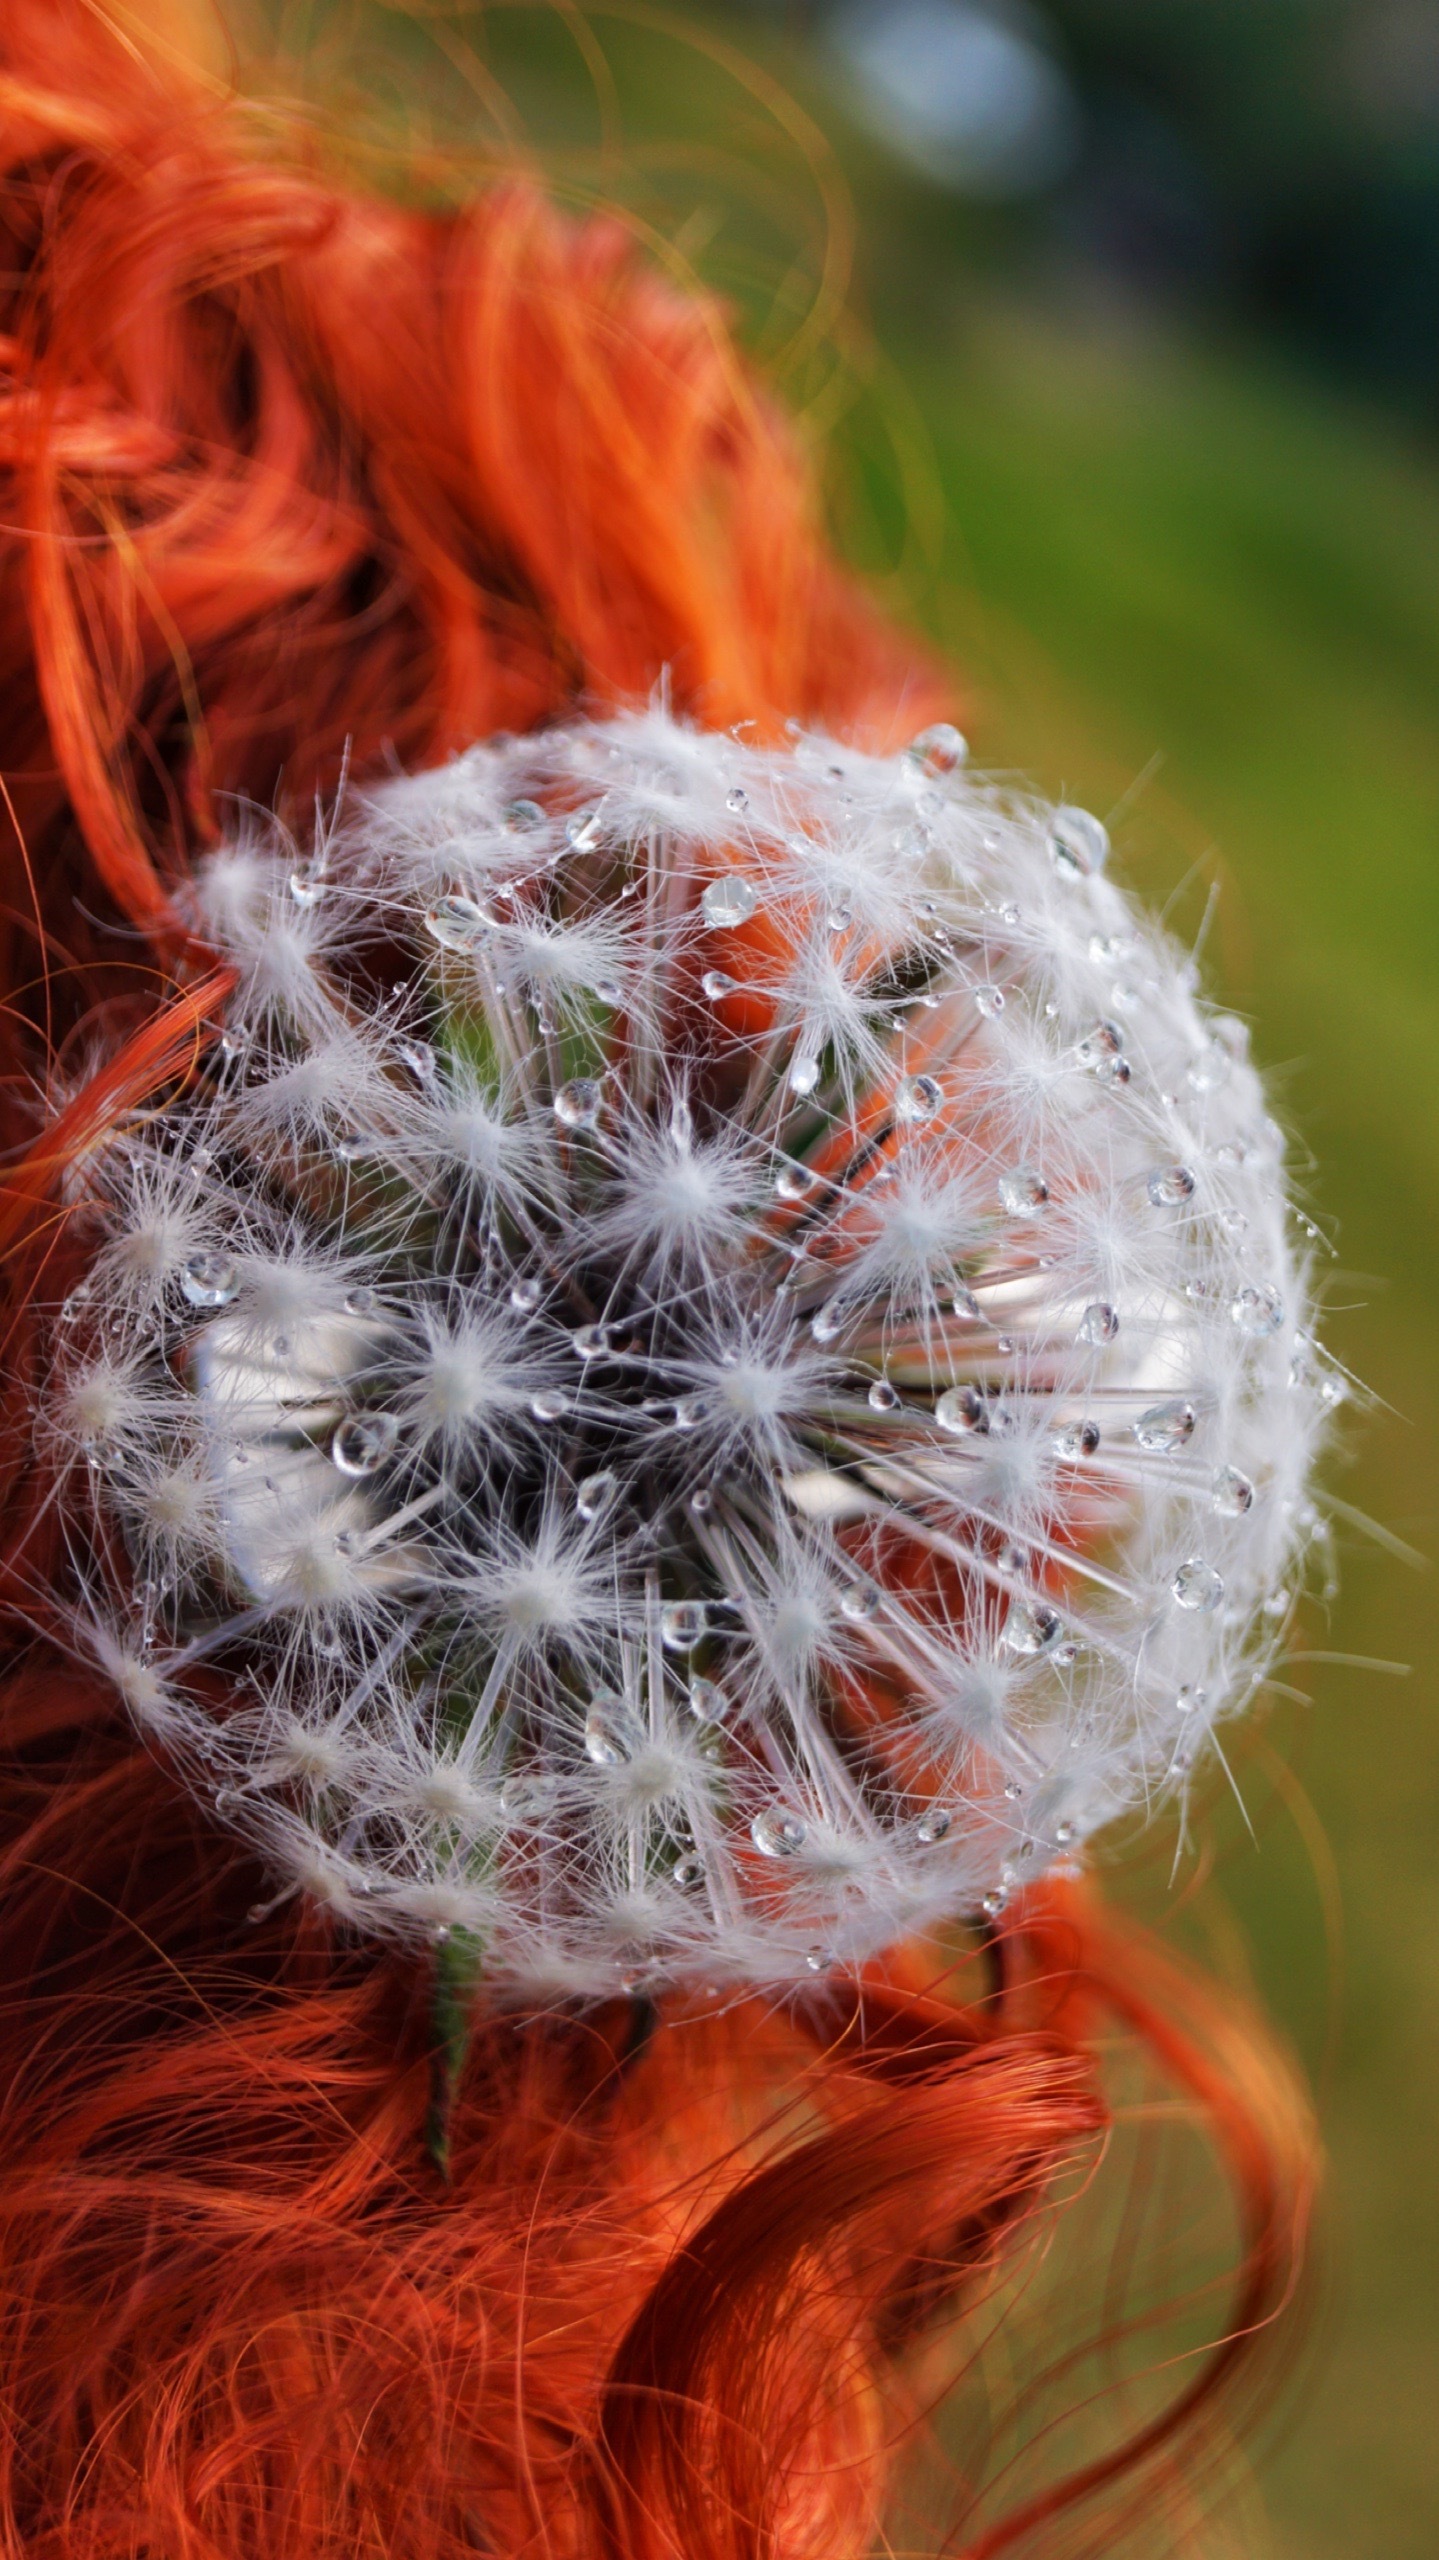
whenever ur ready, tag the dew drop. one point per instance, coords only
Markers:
(883, 1398)
(1231, 1493)
(456, 924)
(794, 1182)
(917, 1099)
(577, 1105)
(778, 1833)
(1165, 1427)
(1100, 1048)
(1078, 844)
(683, 1625)
(305, 887)
(994, 1902)
(550, 1405)
(360, 1302)
(737, 802)
(1257, 1309)
(1170, 1185)
(1032, 1627)
(803, 1076)
(688, 1871)
(990, 1001)
(716, 984)
(728, 901)
(1197, 1586)
(840, 919)
(1098, 1324)
(1063, 1834)
(522, 815)
(609, 991)
(363, 1441)
(818, 1960)
(967, 1307)
(961, 1409)
(1076, 1440)
(526, 1294)
(588, 1341)
(1190, 1700)
(707, 1703)
(419, 1057)
(210, 1280)
(701, 1502)
(594, 1494)
(1022, 1192)
(860, 1602)
(825, 1323)
(604, 1731)
(933, 1825)
(583, 830)
(689, 1412)
(937, 750)
(355, 1145)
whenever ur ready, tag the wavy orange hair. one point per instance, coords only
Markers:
(284, 471)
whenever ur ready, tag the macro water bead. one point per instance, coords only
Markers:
(667, 1467)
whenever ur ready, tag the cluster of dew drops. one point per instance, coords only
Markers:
(875, 1306)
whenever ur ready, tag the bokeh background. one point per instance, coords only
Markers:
(1117, 324)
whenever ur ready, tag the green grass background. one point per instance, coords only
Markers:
(1199, 592)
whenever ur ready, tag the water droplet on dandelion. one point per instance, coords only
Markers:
(737, 802)
(419, 1057)
(683, 1625)
(1170, 1185)
(990, 1001)
(840, 919)
(933, 1826)
(1032, 1627)
(688, 1871)
(526, 1294)
(777, 1833)
(210, 1280)
(730, 900)
(1098, 1052)
(1165, 1427)
(1231, 1493)
(860, 1602)
(306, 887)
(917, 1099)
(589, 1341)
(1076, 1440)
(577, 1105)
(456, 924)
(883, 1398)
(961, 1409)
(1197, 1586)
(1098, 1324)
(937, 750)
(803, 1076)
(550, 1405)
(363, 1442)
(604, 1732)
(1022, 1192)
(1257, 1309)
(523, 815)
(584, 830)
(594, 1494)
(717, 984)
(1078, 844)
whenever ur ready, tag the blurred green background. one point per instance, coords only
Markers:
(1130, 398)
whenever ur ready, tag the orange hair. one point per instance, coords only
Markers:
(286, 473)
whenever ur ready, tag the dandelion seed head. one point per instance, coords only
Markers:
(650, 1402)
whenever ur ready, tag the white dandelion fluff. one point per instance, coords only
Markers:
(713, 1361)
